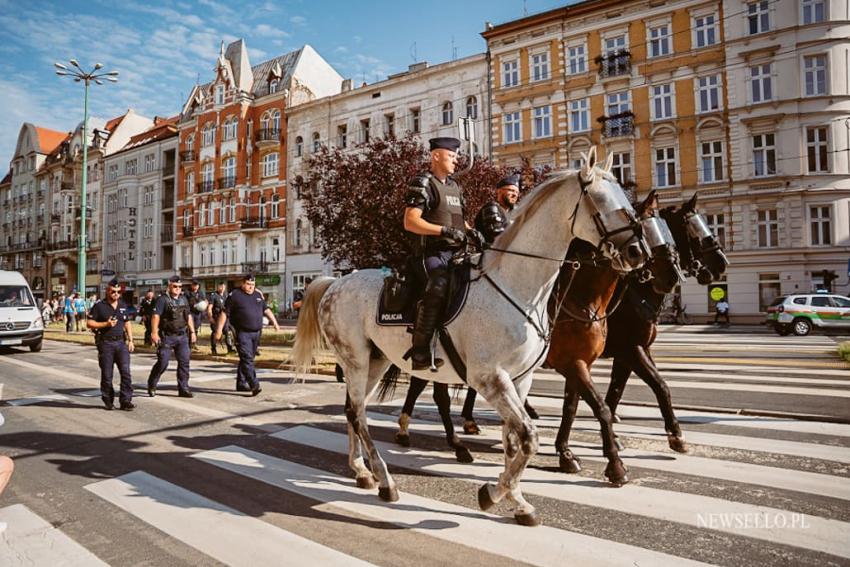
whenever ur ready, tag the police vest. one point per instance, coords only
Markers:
(175, 318)
(445, 209)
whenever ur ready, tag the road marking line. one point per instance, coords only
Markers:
(221, 532)
(793, 390)
(29, 540)
(36, 400)
(803, 380)
(605, 363)
(475, 529)
(824, 535)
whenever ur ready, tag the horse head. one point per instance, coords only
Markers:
(615, 226)
(663, 269)
(700, 250)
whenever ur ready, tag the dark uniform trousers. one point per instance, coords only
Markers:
(227, 331)
(110, 353)
(180, 344)
(148, 324)
(247, 343)
(196, 319)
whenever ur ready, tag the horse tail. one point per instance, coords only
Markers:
(389, 383)
(308, 332)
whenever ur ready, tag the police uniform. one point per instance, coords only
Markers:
(441, 203)
(193, 297)
(245, 313)
(146, 307)
(493, 218)
(217, 301)
(174, 334)
(112, 349)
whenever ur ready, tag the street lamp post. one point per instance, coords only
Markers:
(77, 73)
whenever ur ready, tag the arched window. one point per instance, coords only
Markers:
(448, 113)
(472, 107)
(264, 121)
(299, 146)
(317, 142)
(190, 142)
(230, 126)
(262, 208)
(275, 206)
(273, 85)
(275, 116)
(190, 182)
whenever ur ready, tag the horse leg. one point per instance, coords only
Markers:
(568, 462)
(621, 369)
(444, 406)
(520, 438)
(365, 478)
(469, 425)
(417, 386)
(647, 371)
(616, 471)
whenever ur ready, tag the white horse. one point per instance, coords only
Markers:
(502, 332)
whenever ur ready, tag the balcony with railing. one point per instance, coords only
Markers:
(188, 231)
(253, 223)
(226, 182)
(622, 124)
(66, 186)
(167, 234)
(206, 186)
(261, 267)
(187, 156)
(614, 64)
(62, 245)
(55, 217)
(268, 136)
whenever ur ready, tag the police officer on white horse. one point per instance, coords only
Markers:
(434, 213)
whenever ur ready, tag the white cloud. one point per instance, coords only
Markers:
(341, 49)
(257, 55)
(265, 30)
(298, 20)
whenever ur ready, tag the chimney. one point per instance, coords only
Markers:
(417, 66)
(346, 85)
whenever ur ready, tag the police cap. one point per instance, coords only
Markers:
(249, 277)
(508, 180)
(114, 282)
(174, 279)
(451, 144)
(195, 281)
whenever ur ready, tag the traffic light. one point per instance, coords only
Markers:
(829, 276)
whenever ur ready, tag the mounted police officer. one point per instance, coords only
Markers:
(197, 300)
(114, 339)
(245, 307)
(494, 216)
(434, 213)
(214, 310)
(146, 306)
(172, 320)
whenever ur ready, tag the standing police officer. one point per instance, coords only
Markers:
(172, 317)
(197, 300)
(146, 306)
(245, 308)
(435, 213)
(214, 309)
(114, 339)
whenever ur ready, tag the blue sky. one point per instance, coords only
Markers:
(161, 47)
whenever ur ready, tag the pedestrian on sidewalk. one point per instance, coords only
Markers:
(721, 310)
(172, 316)
(114, 339)
(80, 308)
(146, 308)
(245, 308)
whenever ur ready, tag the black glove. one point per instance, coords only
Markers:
(476, 238)
(453, 234)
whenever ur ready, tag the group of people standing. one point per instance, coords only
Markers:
(71, 309)
(172, 322)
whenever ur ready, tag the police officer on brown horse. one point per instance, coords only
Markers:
(434, 213)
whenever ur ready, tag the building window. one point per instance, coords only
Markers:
(472, 107)
(769, 289)
(389, 125)
(543, 122)
(513, 132)
(299, 146)
(662, 101)
(230, 126)
(659, 41)
(273, 86)
(761, 83)
(705, 30)
(269, 162)
(820, 223)
(202, 215)
(275, 122)
(577, 60)
(814, 11)
(768, 227)
(510, 73)
(228, 172)
(364, 130)
(579, 116)
(717, 225)
(211, 214)
(342, 136)
(448, 113)
(814, 70)
(219, 94)
(130, 167)
(764, 155)
(275, 250)
(207, 176)
(232, 217)
(708, 93)
(222, 213)
(317, 142)
(225, 252)
(540, 66)
(618, 103)
(275, 206)
(711, 155)
(190, 182)
(665, 167)
(208, 134)
(622, 167)
(150, 163)
(758, 16)
(415, 123)
(298, 228)
(816, 146)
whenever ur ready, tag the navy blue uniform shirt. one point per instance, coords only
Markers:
(162, 303)
(102, 311)
(245, 311)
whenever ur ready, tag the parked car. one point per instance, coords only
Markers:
(20, 318)
(800, 313)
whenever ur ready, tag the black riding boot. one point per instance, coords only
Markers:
(427, 320)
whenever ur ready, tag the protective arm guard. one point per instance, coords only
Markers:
(417, 193)
(491, 221)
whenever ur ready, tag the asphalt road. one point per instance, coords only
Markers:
(225, 478)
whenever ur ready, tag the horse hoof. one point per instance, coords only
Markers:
(484, 500)
(615, 418)
(677, 444)
(402, 439)
(619, 444)
(388, 493)
(471, 428)
(367, 482)
(463, 455)
(616, 474)
(569, 465)
(530, 520)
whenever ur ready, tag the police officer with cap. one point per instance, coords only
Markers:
(114, 338)
(197, 300)
(146, 306)
(494, 216)
(172, 320)
(245, 308)
(434, 213)
(214, 309)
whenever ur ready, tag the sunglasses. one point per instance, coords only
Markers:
(176, 285)
(114, 291)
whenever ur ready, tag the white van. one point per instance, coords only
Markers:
(20, 318)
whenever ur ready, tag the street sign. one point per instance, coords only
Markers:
(107, 273)
(717, 293)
